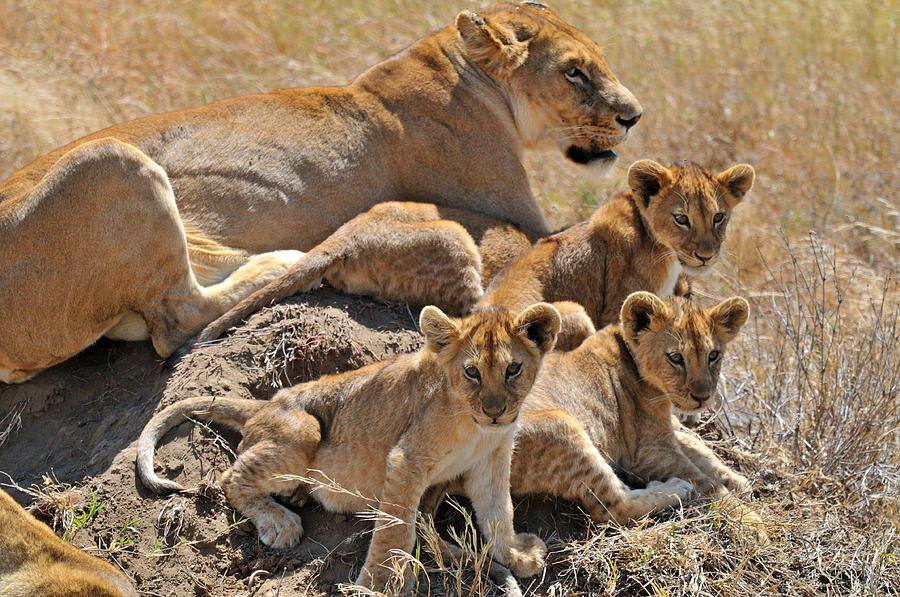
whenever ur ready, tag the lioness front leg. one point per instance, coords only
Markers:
(395, 525)
(487, 486)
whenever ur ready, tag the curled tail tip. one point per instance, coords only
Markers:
(161, 486)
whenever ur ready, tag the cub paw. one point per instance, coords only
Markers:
(279, 528)
(674, 487)
(526, 555)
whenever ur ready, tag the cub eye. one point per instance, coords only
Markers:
(675, 358)
(513, 370)
(576, 75)
(714, 356)
(682, 220)
(472, 373)
(717, 219)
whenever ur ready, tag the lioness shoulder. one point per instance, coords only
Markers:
(386, 432)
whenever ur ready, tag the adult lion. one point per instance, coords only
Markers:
(154, 227)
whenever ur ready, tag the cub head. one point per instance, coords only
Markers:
(562, 91)
(492, 357)
(678, 346)
(687, 208)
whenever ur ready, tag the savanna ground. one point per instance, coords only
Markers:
(805, 91)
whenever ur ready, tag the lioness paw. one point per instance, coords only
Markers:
(526, 555)
(279, 528)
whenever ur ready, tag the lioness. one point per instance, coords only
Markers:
(34, 561)
(155, 227)
(670, 220)
(387, 432)
(608, 404)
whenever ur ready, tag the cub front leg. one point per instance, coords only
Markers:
(487, 485)
(666, 457)
(707, 461)
(555, 456)
(395, 528)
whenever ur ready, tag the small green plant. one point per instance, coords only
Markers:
(82, 517)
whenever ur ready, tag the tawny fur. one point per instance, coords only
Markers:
(388, 431)
(421, 253)
(608, 404)
(34, 561)
(139, 217)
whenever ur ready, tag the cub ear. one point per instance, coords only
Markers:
(738, 180)
(439, 330)
(646, 178)
(638, 313)
(540, 324)
(493, 46)
(728, 317)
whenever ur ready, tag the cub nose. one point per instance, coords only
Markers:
(629, 122)
(700, 399)
(493, 411)
(702, 258)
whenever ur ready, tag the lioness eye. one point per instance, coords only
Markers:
(682, 220)
(717, 219)
(713, 356)
(675, 358)
(472, 373)
(513, 370)
(576, 75)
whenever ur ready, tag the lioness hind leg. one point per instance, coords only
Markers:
(554, 455)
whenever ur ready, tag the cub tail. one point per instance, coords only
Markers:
(304, 275)
(231, 412)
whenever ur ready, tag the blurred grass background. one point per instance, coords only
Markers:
(806, 91)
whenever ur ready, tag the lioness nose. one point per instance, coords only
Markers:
(630, 122)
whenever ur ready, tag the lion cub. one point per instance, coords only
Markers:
(34, 561)
(608, 404)
(670, 222)
(388, 431)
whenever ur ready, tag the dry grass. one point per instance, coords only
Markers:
(805, 91)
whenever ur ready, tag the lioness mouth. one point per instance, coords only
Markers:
(583, 156)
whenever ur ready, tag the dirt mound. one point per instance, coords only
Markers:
(75, 425)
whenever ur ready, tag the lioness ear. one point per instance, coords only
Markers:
(540, 324)
(646, 178)
(638, 313)
(494, 47)
(439, 330)
(728, 317)
(738, 180)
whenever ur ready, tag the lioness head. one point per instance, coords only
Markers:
(687, 208)
(491, 357)
(562, 92)
(678, 346)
